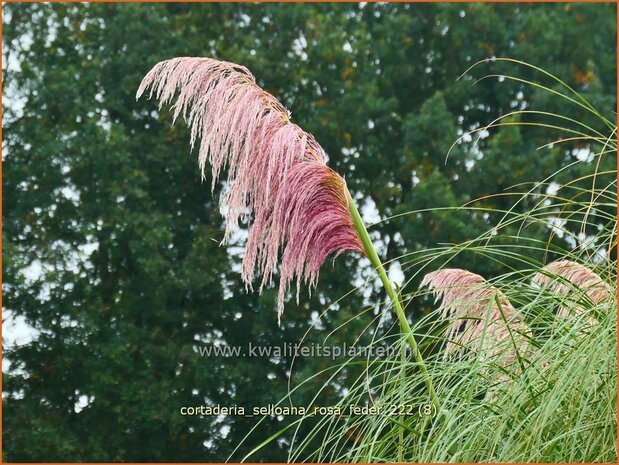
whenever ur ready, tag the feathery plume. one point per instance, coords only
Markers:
(276, 172)
(570, 279)
(478, 323)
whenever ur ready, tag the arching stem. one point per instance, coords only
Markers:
(370, 251)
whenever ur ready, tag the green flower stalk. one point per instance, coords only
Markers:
(370, 251)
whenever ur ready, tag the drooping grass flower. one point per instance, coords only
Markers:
(574, 282)
(482, 321)
(278, 180)
(276, 172)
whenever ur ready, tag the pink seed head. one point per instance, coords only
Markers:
(571, 279)
(277, 175)
(482, 319)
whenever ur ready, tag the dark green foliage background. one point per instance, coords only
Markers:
(158, 282)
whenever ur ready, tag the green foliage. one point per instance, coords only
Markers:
(103, 196)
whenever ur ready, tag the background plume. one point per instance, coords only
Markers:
(478, 325)
(573, 281)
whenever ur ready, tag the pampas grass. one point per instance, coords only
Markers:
(277, 174)
(482, 320)
(574, 282)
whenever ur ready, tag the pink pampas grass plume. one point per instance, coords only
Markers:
(477, 322)
(277, 177)
(573, 280)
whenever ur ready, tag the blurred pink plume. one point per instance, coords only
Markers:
(478, 323)
(573, 280)
(276, 172)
